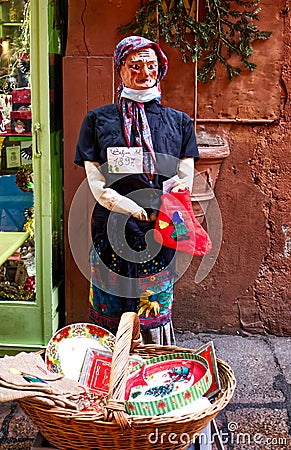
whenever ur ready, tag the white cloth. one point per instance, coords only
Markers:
(197, 406)
(160, 336)
(185, 172)
(141, 95)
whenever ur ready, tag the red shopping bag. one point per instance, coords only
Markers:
(177, 227)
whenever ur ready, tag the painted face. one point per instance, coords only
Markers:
(140, 70)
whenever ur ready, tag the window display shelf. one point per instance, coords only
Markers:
(10, 242)
(18, 135)
(10, 24)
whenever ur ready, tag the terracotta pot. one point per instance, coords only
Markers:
(213, 150)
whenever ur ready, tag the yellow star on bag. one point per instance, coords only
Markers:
(163, 224)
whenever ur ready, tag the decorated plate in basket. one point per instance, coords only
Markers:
(165, 383)
(66, 350)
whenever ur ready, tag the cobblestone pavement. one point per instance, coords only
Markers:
(258, 417)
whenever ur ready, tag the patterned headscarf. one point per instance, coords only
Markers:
(131, 44)
(133, 113)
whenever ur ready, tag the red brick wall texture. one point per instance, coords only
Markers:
(248, 288)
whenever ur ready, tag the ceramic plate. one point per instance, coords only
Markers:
(67, 348)
(163, 378)
(166, 383)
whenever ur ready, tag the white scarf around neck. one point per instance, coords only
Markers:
(142, 95)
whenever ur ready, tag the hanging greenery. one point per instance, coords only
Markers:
(226, 28)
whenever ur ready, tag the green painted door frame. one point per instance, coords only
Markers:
(27, 326)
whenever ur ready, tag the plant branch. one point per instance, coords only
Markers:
(227, 29)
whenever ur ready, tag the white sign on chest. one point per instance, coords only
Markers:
(125, 159)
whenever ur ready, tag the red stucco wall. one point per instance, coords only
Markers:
(248, 288)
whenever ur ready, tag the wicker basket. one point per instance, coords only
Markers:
(69, 430)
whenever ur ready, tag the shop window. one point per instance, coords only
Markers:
(16, 171)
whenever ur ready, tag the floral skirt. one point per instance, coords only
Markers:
(128, 273)
(153, 304)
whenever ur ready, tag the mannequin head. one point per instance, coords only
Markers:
(140, 63)
(140, 69)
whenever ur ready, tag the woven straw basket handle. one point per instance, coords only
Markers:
(127, 338)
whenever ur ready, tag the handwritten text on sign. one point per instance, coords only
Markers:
(125, 159)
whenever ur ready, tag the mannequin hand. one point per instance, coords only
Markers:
(140, 214)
